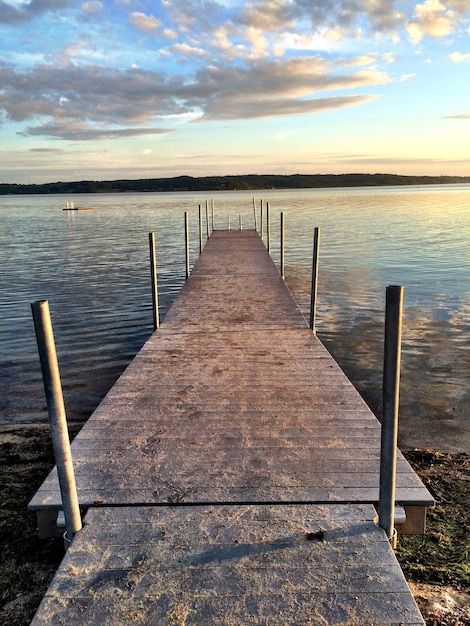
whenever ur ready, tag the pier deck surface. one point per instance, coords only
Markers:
(233, 401)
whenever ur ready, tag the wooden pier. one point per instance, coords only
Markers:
(230, 474)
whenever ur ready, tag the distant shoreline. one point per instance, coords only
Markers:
(250, 182)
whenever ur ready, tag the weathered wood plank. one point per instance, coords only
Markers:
(233, 397)
(230, 565)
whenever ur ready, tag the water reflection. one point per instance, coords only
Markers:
(93, 268)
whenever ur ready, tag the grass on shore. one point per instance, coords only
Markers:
(28, 563)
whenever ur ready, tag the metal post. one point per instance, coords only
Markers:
(240, 222)
(212, 209)
(57, 417)
(207, 219)
(282, 246)
(261, 217)
(255, 216)
(313, 291)
(186, 238)
(390, 402)
(268, 227)
(200, 229)
(153, 272)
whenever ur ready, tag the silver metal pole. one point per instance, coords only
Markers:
(228, 222)
(200, 229)
(313, 291)
(390, 403)
(268, 227)
(57, 417)
(212, 210)
(282, 246)
(207, 219)
(261, 217)
(240, 222)
(186, 239)
(255, 215)
(153, 271)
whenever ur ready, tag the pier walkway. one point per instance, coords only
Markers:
(230, 473)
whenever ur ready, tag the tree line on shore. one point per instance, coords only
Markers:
(225, 183)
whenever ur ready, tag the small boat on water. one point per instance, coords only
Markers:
(69, 206)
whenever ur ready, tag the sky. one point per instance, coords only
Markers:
(107, 89)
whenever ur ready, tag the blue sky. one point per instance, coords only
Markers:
(109, 89)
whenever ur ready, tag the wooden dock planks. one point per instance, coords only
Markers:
(229, 473)
(234, 399)
(229, 565)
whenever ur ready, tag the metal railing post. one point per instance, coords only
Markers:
(207, 219)
(390, 402)
(268, 228)
(255, 215)
(200, 229)
(261, 217)
(186, 240)
(313, 291)
(153, 272)
(57, 417)
(282, 246)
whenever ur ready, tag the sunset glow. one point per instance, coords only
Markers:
(140, 88)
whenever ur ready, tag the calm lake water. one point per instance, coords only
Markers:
(93, 268)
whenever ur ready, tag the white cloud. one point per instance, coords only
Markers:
(145, 23)
(431, 18)
(458, 57)
(186, 50)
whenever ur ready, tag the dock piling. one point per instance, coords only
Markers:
(57, 417)
(200, 229)
(313, 291)
(261, 217)
(153, 272)
(282, 246)
(255, 215)
(390, 402)
(186, 238)
(268, 228)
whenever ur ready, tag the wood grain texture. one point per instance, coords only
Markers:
(230, 473)
(232, 398)
(229, 565)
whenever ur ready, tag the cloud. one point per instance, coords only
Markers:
(457, 57)
(99, 94)
(256, 109)
(85, 132)
(104, 98)
(16, 14)
(185, 50)
(463, 116)
(342, 15)
(278, 79)
(145, 23)
(432, 18)
(91, 9)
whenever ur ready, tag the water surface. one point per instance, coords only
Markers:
(93, 268)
